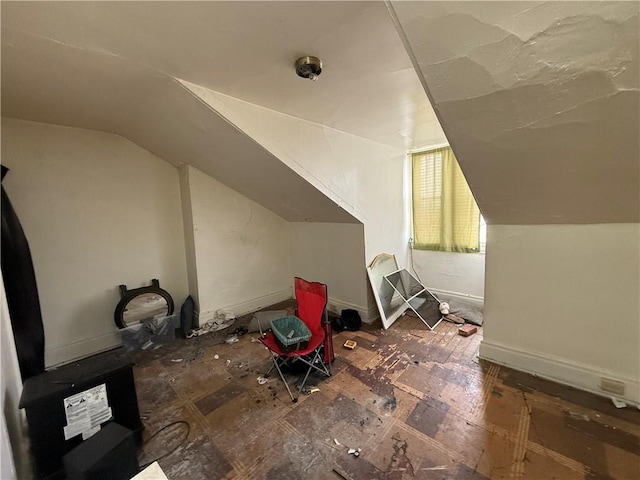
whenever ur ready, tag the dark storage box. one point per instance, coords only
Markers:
(110, 454)
(291, 333)
(43, 400)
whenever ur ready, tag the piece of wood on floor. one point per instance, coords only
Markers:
(467, 330)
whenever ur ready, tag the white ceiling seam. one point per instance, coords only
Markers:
(10, 30)
(194, 88)
(291, 162)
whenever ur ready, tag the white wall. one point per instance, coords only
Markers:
(189, 234)
(454, 274)
(242, 250)
(98, 212)
(332, 253)
(363, 177)
(563, 301)
(13, 443)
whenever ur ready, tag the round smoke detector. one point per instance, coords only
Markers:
(309, 67)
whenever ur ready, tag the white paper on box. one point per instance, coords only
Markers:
(85, 411)
(90, 433)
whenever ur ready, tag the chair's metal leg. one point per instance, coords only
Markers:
(312, 365)
(269, 371)
(305, 380)
(275, 363)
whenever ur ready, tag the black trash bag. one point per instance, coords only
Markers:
(187, 322)
(336, 324)
(351, 320)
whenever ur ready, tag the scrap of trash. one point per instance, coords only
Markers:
(224, 320)
(210, 327)
(350, 450)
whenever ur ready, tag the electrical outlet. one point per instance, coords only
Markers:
(612, 386)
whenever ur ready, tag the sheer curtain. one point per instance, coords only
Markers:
(445, 214)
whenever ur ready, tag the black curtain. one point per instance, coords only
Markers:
(22, 291)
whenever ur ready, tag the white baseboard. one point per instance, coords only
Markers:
(60, 354)
(373, 313)
(248, 306)
(472, 299)
(558, 370)
(336, 305)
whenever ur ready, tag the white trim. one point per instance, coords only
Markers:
(336, 306)
(473, 299)
(248, 306)
(427, 149)
(372, 313)
(61, 354)
(558, 370)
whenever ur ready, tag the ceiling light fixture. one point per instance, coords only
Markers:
(309, 67)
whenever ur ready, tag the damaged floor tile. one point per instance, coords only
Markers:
(406, 403)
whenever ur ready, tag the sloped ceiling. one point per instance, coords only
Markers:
(539, 99)
(540, 102)
(113, 94)
(114, 66)
(247, 49)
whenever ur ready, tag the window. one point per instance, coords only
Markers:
(445, 214)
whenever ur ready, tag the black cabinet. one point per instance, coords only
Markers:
(43, 398)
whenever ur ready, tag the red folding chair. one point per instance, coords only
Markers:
(318, 353)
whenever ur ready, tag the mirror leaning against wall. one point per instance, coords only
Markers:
(140, 304)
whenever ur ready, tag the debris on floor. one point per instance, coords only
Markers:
(350, 450)
(350, 344)
(380, 398)
(210, 327)
(618, 403)
(390, 404)
(450, 317)
(444, 308)
(467, 330)
(241, 331)
(152, 472)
